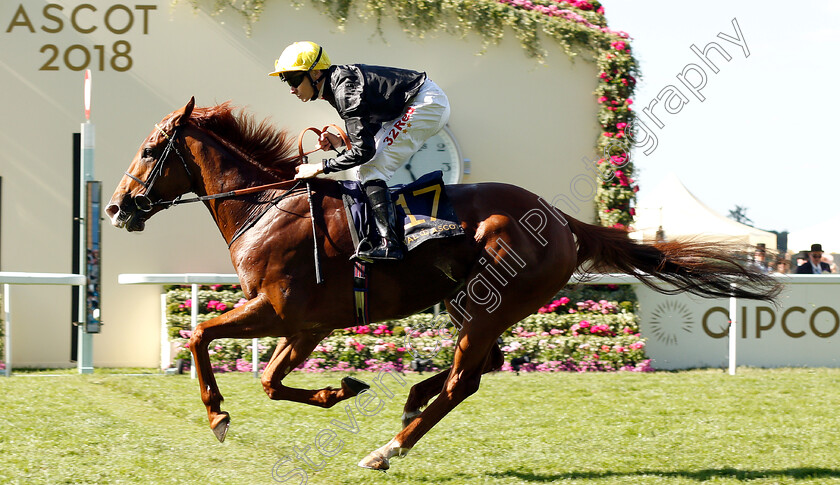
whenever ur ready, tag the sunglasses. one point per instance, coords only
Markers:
(294, 78)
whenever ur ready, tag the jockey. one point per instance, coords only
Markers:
(388, 112)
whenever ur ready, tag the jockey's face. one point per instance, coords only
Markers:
(305, 90)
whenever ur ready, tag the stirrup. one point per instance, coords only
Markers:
(361, 254)
(392, 252)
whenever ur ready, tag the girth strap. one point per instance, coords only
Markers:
(361, 283)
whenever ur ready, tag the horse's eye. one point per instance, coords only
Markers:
(147, 152)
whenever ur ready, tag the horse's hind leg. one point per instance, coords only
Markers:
(423, 391)
(289, 354)
(472, 352)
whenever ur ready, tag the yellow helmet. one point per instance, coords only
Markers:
(301, 56)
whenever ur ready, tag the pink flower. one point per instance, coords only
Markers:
(637, 345)
(241, 302)
(605, 348)
(602, 99)
(622, 179)
(221, 307)
(620, 126)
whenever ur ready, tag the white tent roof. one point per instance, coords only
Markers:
(675, 209)
(826, 233)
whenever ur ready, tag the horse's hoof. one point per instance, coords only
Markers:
(375, 461)
(354, 385)
(221, 429)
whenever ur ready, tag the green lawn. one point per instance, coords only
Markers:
(760, 426)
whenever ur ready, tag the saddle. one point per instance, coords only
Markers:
(422, 205)
(425, 211)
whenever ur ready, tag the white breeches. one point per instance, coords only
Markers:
(398, 140)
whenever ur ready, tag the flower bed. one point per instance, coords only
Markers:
(567, 334)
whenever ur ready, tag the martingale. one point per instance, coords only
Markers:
(426, 211)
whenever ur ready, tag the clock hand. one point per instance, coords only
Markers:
(410, 173)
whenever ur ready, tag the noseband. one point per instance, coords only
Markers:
(142, 201)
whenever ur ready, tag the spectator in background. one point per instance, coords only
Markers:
(828, 259)
(759, 260)
(782, 265)
(814, 265)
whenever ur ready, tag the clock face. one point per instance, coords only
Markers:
(440, 152)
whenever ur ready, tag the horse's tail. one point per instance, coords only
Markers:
(702, 268)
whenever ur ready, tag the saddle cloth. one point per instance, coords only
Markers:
(422, 205)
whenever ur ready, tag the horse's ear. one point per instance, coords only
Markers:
(188, 109)
(183, 114)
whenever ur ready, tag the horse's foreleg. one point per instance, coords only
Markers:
(289, 354)
(423, 391)
(253, 319)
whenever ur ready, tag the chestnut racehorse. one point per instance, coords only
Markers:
(517, 253)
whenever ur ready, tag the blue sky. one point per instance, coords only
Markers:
(763, 138)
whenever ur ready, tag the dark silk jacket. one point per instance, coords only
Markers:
(365, 98)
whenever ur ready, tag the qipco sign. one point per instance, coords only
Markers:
(85, 19)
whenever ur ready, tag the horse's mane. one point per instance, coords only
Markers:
(259, 140)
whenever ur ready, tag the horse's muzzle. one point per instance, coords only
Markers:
(128, 213)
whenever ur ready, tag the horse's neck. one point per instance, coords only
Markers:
(220, 171)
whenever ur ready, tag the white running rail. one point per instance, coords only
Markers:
(194, 280)
(11, 278)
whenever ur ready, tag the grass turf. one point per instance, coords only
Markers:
(760, 426)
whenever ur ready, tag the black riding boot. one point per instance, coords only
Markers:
(390, 247)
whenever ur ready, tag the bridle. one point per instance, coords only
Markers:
(142, 201)
(145, 204)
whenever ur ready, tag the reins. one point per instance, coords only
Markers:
(301, 156)
(252, 220)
